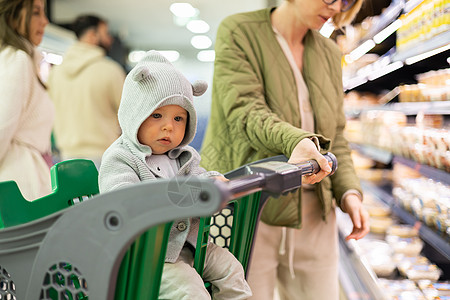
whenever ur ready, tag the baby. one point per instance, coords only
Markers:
(158, 121)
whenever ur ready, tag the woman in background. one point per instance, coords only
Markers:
(26, 112)
(277, 89)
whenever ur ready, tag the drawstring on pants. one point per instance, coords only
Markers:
(282, 250)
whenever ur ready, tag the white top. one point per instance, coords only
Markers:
(306, 113)
(26, 119)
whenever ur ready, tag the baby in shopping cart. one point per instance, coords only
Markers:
(158, 121)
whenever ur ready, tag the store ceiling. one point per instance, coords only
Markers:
(149, 24)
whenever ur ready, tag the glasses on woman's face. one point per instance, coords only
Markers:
(345, 4)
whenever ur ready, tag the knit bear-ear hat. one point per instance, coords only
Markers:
(152, 83)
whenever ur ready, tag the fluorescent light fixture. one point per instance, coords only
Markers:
(414, 59)
(201, 42)
(183, 10)
(197, 26)
(385, 70)
(362, 49)
(386, 32)
(354, 82)
(206, 55)
(136, 56)
(52, 58)
(327, 29)
(171, 55)
(348, 59)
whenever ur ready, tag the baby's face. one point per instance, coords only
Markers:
(164, 129)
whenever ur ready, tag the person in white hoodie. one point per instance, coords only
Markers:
(26, 112)
(86, 90)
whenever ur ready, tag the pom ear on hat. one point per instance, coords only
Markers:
(199, 87)
(141, 73)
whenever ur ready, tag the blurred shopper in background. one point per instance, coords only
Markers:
(277, 89)
(86, 90)
(26, 112)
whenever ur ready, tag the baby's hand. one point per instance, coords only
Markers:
(221, 178)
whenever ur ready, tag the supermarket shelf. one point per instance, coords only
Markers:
(430, 172)
(410, 5)
(389, 63)
(386, 157)
(374, 153)
(389, 15)
(356, 277)
(433, 238)
(413, 108)
(433, 43)
(408, 108)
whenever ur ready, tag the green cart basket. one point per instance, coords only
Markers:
(113, 246)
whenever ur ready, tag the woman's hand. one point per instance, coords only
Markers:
(307, 150)
(352, 205)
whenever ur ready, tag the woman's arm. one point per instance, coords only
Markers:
(16, 77)
(239, 87)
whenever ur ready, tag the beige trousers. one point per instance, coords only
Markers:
(180, 281)
(310, 252)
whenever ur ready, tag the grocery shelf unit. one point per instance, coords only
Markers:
(437, 244)
(393, 67)
(386, 74)
(356, 276)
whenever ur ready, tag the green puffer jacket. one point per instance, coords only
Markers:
(255, 110)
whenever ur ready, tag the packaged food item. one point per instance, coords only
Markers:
(376, 210)
(403, 231)
(400, 289)
(405, 262)
(423, 272)
(435, 290)
(378, 254)
(409, 246)
(379, 225)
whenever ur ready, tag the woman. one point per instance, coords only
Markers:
(277, 89)
(26, 114)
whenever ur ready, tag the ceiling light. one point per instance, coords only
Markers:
(197, 26)
(183, 10)
(361, 50)
(385, 33)
(206, 55)
(201, 42)
(171, 55)
(385, 70)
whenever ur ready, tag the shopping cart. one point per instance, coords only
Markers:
(83, 252)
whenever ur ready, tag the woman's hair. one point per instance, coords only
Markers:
(10, 20)
(344, 18)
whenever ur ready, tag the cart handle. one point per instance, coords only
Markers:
(275, 177)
